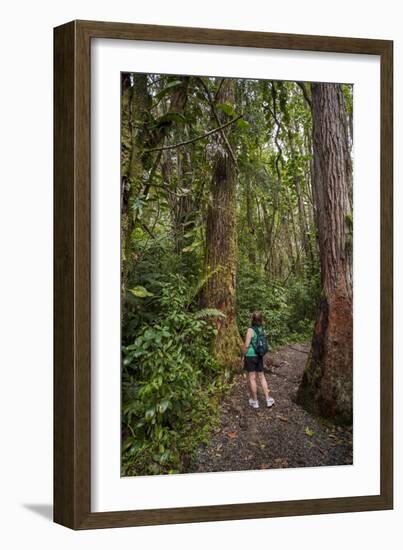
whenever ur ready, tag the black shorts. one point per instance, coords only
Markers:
(253, 364)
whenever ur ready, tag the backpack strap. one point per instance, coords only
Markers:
(257, 336)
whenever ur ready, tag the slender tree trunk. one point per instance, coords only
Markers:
(296, 263)
(303, 222)
(302, 218)
(250, 224)
(326, 387)
(221, 244)
(183, 206)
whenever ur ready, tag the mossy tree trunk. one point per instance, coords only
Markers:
(221, 241)
(326, 387)
(138, 165)
(135, 105)
(183, 207)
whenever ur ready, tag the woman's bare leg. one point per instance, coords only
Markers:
(265, 387)
(252, 385)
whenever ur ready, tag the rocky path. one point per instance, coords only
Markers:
(284, 436)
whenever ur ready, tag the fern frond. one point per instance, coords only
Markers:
(200, 283)
(209, 312)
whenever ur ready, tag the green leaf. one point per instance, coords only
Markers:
(150, 413)
(168, 88)
(209, 312)
(227, 109)
(170, 117)
(192, 246)
(309, 432)
(127, 443)
(162, 407)
(241, 123)
(140, 292)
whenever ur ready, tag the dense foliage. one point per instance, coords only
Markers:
(173, 131)
(170, 380)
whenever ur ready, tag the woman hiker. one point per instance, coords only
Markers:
(254, 348)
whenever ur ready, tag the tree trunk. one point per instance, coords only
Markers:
(134, 112)
(302, 218)
(221, 244)
(182, 206)
(250, 224)
(326, 387)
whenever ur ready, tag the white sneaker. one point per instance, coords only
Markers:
(253, 403)
(270, 401)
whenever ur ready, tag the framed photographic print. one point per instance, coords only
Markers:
(222, 275)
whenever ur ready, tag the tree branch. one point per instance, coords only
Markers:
(276, 120)
(305, 93)
(214, 111)
(187, 142)
(166, 188)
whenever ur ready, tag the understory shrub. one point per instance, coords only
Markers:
(171, 385)
(289, 308)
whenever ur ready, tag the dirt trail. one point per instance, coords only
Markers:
(284, 436)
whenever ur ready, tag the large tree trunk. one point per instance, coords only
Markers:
(134, 111)
(326, 387)
(182, 207)
(221, 244)
(139, 166)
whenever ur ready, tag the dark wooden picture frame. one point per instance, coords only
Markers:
(72, 291)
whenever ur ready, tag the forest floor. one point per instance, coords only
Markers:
(283, 436)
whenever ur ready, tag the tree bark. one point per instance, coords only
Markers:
(134, 111)
(221, 244)
(250, 223)
(326, 387)
(302, 217)
(184, 206)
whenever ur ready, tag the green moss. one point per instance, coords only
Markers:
(227, 347)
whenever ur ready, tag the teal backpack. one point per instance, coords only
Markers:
(261, 347)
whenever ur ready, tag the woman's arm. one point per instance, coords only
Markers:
(248, 338)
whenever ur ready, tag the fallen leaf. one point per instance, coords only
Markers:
(264, 466)
(309, 432)
(232, 435)
(283, 418)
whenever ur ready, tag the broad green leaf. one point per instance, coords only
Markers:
(162, 407)
(192, 246)
(168, 88)
(227, 109)
(150, 413)
(243, 124)
(140, 292)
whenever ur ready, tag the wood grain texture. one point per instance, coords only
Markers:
(72, 296)
(220, 37)
(64, 381)
(386, 282)
(72, 253)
